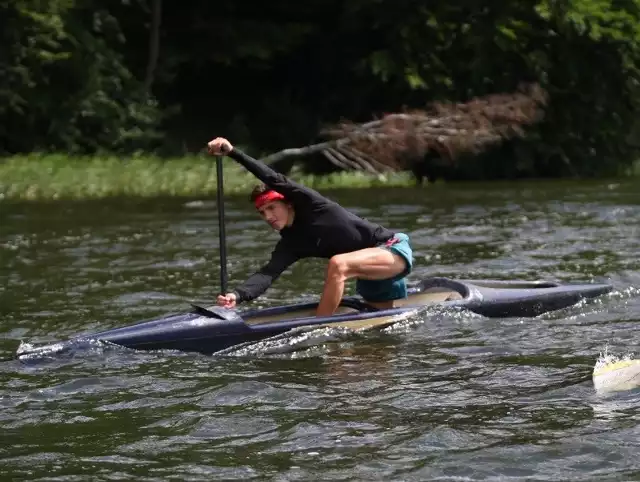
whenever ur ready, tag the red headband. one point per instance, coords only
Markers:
(267, 197)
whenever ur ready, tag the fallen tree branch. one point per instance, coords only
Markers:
(338, 162)
(353, 152)
(450, 129)
(359, 162)
(303, 151)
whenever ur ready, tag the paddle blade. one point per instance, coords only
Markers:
(216, 312)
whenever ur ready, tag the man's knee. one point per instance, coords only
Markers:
(338, 267)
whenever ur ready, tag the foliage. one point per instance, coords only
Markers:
(66, 86)
(272, 74)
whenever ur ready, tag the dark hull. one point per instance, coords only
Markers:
(208, 330)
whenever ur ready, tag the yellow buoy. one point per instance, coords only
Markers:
(616, 375)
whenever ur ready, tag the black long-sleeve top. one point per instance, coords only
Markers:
(321, 228)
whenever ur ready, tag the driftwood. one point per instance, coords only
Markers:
(448, 129)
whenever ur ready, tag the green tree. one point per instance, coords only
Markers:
(65, 86)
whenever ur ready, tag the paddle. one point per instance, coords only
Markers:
(217, 311)
(221, 232)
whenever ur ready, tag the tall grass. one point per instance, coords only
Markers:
(52, 176)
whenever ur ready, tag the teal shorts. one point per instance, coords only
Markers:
(392, 288)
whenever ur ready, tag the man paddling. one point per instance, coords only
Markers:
(312, 226)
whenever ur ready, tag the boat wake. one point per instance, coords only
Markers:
(299, 339)
(409, 321)
(285, 343)
(31, 354)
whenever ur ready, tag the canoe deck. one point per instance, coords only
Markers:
(431, 296)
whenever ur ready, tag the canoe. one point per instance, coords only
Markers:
(211, 329)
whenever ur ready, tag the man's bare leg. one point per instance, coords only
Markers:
(331, 294)
(369, 263)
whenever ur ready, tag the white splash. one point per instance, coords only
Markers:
(29, 352)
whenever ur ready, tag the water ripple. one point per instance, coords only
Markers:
(441, 395)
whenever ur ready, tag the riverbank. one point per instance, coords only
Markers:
(52, 177)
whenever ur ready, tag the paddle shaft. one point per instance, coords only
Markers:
(221, 231)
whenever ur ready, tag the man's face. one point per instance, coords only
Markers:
(276, 214)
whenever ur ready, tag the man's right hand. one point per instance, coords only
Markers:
(228, 300)
(219, 146)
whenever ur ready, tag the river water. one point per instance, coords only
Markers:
(439, 396)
